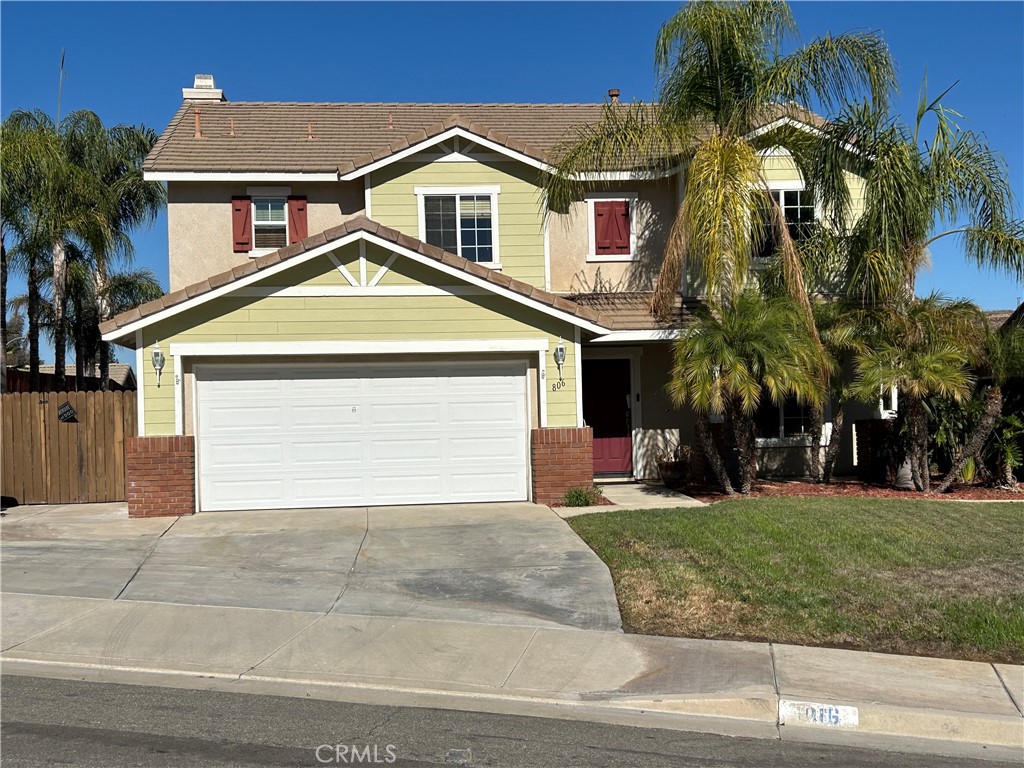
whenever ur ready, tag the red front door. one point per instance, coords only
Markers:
(607, 399)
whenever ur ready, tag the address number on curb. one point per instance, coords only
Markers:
(810, 713)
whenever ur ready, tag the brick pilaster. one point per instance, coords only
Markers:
(562, 458)
(160, 476)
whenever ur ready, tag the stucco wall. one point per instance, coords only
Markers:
(569, 240)
(199, 222)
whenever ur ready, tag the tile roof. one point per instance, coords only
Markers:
(631, 311)
(273, 137)
(117, 372)
(357, 224)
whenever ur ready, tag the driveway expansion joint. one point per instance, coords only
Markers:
(149, 554)
(1006, 688)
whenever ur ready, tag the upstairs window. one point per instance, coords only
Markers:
(264, 223)
(612, 227)
(270, 224)
(798, 209)
(463, 222)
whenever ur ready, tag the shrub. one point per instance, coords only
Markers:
(581, 496)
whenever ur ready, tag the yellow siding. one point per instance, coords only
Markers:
(347, 318)
(520, 218)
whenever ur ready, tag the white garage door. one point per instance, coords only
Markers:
(354, 435)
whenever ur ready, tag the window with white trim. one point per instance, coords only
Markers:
(611, 222)
(269, 222)
(789, 420)
(798, 209)
(463, 221)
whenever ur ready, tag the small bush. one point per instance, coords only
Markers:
(582, 496)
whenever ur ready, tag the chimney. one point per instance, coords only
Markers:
(613, 94)
(203, 90)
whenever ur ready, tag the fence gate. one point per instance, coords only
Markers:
(65, 447)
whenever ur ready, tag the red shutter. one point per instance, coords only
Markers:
(241, 224)
(297, 227)
(611, 227)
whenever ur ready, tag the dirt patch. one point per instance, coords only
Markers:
(854, 488)
(696, 611)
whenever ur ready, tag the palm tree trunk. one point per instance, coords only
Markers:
(744, 442)
(714, 458)
(817, 427)
(33, 324)
(834, 443)
(102, 284)
(914, 410)
(987, 422)
(60, 276)
(3, 316)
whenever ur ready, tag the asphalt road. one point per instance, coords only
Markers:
(49, 722)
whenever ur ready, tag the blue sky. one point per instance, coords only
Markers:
(129, 61)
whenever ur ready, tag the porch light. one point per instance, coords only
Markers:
(158, 362)
(559, 356)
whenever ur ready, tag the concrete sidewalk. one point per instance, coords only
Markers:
(737, 688)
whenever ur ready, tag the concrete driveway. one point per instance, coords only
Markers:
(484, 563)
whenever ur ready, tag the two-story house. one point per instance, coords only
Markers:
(368, 306)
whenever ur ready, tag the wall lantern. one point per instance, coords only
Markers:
(559, 356)
(158, 362)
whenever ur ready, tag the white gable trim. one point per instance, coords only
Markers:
(432, 141)
(262, 274)
(368, 347)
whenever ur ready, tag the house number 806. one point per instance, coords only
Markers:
(557, 385)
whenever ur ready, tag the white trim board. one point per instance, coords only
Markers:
(394, 347)
(313, 291)
(140, 394)
(614, 337)
(387, 245)
(238, 176)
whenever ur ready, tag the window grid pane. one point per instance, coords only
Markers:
(475, 227)
(439, 222)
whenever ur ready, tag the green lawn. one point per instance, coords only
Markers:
(935, 578)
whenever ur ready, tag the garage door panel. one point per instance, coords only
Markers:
(490, 410)
(359, 435)
(428, 449)
(415, 414)
(310, 491)
(484, 484)
(323, 416)
(483, 447)
(342, 454)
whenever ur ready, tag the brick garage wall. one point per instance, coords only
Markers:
(562, 458)
(160, 475)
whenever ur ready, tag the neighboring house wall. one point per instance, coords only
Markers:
(520, 223)
(574, 267)
(475, 315)
(199, 236)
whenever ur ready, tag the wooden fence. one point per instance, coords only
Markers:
(49, 461)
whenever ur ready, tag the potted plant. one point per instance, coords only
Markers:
(674, 466)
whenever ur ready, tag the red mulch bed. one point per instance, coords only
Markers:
(856, 488)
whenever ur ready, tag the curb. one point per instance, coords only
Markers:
(861, 724)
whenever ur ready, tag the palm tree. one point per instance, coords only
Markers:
(115, 156)
(66, 205)
(925, 348)
(721, 74)
(1003, 359)
(733, 358)
(916, 192)
(87, 194)
(124, 290)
